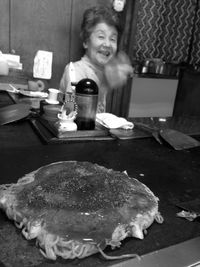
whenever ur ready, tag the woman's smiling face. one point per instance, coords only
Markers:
(101, 46)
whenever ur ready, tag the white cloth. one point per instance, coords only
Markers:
(111, 121)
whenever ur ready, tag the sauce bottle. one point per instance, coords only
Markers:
(86, 98)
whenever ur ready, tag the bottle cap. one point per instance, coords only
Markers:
(87, 86)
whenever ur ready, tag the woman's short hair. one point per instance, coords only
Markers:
(95, 15)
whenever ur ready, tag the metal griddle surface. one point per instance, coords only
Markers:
(172, 175)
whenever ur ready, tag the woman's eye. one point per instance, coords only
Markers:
(114, 40)
(101, 37)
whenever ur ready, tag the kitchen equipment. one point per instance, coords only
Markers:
(152, 65)
(191, 205)
(176, 139)
(13, 113)
(169, 69)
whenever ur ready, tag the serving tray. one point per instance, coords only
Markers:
(49, 133)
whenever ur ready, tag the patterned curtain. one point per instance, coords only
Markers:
(164, 30)
(195, 49)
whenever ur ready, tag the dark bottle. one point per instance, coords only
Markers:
(86, 98)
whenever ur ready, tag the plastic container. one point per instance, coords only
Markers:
(86, 98)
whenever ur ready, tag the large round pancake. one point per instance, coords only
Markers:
(80, 201)
(84, 200)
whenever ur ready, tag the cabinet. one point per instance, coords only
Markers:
(188, 94)
(152, 97)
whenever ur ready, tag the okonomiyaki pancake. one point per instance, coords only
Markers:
(75, 209)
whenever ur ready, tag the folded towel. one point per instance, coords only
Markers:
(111, 121)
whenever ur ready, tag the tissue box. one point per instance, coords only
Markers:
(18, 78)
(13, 61)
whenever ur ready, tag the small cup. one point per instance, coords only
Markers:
(53, 96)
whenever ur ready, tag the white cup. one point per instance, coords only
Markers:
(53, 95)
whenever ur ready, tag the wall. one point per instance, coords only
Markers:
(4, 25)
(27, 26)
(41, 25)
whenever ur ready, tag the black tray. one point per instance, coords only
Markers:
(49, 134)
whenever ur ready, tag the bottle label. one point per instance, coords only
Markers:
(87, 106)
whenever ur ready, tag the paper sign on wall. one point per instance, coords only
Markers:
(42, 67)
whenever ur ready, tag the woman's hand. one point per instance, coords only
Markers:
(118, 70)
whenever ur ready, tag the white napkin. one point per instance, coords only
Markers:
(111, 121)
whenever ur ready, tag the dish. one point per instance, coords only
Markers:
(33, 93)
(13, 112)
(52, 102)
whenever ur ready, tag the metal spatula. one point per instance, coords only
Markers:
(176, 139)
(191, 205)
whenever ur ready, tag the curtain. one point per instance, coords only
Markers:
(195, 45)
(164, 30)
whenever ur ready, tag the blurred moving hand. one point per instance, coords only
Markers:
(118, 70)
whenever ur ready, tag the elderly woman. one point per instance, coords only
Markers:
(101, 62)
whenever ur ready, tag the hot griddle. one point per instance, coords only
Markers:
(172, 175)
